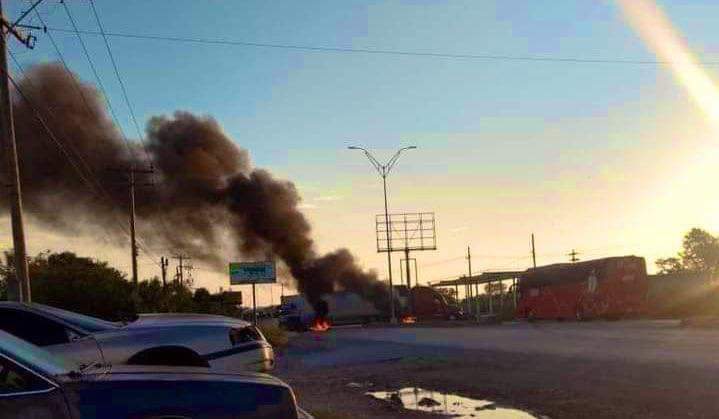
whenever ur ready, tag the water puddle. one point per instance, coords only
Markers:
(415, 398)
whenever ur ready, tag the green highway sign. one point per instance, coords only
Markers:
(242, 273)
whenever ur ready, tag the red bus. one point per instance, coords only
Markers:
(612, 287)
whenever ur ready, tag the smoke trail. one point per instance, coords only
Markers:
(207, 189)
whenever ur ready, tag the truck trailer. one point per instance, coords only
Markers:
(345, 307)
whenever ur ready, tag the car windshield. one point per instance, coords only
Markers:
(32, 356)
(86, 323)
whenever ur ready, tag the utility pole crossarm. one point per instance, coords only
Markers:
(11, 28)
(25, 13)
(181, 258)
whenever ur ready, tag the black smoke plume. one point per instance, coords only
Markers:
(206, 191)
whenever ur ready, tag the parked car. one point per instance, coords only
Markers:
(198, 340)
(36, 384)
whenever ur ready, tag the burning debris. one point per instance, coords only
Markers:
(320, 325)
(207, 191)
(321, 322)
(408, 319)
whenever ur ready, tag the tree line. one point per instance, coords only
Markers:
(93, 287)
(699, 254)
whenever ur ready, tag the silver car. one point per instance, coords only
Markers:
(221, 343)
(36, 384)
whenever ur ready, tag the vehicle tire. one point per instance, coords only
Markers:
(530, 316)
(168, 356)
(579, 314)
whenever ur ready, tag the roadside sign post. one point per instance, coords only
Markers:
(252, 273)
(254, 305)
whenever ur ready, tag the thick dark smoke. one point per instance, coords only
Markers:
(205, 191)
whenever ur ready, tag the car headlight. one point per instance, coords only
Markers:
(240, 335)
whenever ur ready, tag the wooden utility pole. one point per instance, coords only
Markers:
(469, 275)
(254, 305)
(573, 256)
(133, 241)
(163, 265)
(131, 173)
(18, 290)
(181, 267)
(534, 255)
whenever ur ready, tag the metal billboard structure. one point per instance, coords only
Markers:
(406, 232)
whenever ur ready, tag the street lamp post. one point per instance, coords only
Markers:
(384, 170)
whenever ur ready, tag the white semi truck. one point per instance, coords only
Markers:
(344, 307)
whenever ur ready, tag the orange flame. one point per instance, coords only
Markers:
(320, 325)
(408, 319)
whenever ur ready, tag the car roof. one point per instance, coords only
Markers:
(185, 319)
(80, 321)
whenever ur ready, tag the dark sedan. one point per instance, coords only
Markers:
(35, 384)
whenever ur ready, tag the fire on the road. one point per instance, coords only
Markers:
(408, 319)
(320, 324)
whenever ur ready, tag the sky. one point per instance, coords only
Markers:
(608, 158)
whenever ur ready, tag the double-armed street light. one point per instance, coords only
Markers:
(383, 170)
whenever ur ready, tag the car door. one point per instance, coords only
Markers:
(51, 334)
(25, 394)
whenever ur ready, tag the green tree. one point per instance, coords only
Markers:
(669, 265)
(152, 297)
(700, 253)
(92, 287)
(78, 284)
(179, 299)
(202, 300)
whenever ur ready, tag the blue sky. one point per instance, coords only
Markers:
(580, 153)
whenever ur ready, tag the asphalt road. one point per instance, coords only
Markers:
(596, 369)
(637, 341)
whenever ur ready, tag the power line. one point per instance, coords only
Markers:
(76, 83)
(96, 188)
(77, 32)
(311, 48)
(52, 136)
(442, 262)
(117, 71)
(130, 108)
(95, 73)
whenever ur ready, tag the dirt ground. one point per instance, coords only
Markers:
(321, 368)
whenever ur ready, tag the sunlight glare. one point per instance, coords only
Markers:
(665, 41)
